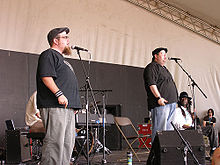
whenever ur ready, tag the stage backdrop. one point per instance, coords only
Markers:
(115, 32)
(18, 71)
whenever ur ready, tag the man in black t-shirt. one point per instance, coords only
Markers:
(57, 99)
(161, 91)
(209, 120)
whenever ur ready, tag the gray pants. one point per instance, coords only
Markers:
(212, 133)
(60, 135)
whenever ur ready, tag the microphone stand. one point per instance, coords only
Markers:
(88, 88)
(186, 148)
(193, 91)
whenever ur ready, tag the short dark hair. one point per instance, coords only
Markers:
(210, 109)
(54, 32)
(157, 51)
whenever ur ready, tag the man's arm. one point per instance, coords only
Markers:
(161, 101)
(50, 84)
(204, 123)
(185, 126)
(213, 125)
(214, 122)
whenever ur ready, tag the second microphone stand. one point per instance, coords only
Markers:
(193, 90)
(186, 149)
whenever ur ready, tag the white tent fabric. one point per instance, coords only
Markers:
(115, 31)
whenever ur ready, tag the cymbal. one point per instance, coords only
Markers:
(92, 104)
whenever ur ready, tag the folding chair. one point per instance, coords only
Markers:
(123, 122)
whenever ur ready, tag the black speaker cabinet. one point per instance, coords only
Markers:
(17, 147)
(112, 135)
(167, 148)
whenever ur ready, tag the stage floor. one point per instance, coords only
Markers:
(115, 158)
(118, 158)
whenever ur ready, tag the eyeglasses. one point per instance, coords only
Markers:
(65, 37)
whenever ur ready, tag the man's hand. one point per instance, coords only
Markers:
(162, 101)
(63, 100)
(185, 126)
(38, 115)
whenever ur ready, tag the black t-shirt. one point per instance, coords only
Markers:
(209, 121)
(52, 64)
(155, 74)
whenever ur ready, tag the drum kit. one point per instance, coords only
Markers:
(87, 145)
(95, 125)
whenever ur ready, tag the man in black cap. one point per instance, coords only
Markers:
(161, 91)
(57, 99)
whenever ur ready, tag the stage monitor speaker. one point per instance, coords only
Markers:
(17, 147)
(112, 135)
(167, 148)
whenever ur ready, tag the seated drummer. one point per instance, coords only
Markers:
(32, 116)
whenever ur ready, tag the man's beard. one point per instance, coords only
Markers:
(67, 51)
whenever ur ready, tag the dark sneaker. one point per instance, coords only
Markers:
(211, 152)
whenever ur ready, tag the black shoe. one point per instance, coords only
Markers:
(211, 152)
(74, 156)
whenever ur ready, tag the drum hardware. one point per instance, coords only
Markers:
(81, 143)
(88, 88)
(92, 105)
(95, 122)
(105, 149)
(98, 146)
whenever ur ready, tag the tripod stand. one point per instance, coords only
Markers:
(103, 121)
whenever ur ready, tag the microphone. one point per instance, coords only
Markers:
(79, 48)
(173, 58)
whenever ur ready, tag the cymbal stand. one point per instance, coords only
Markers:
(104, 161)
(98, 144)
(88, 88)
(193, 90)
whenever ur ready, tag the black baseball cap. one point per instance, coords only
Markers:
(157, 50)
(54, 32)
(184, 95)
